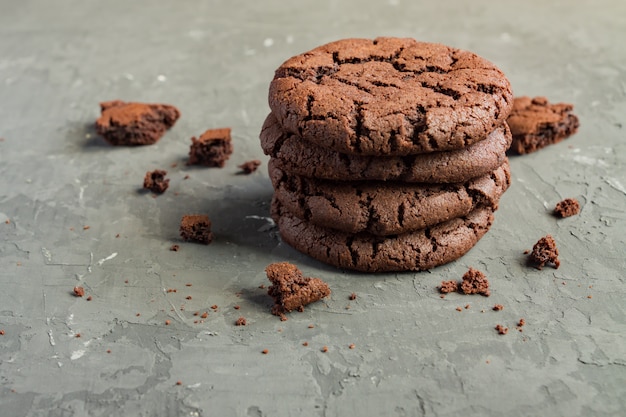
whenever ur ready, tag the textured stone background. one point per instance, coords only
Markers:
(414, 354)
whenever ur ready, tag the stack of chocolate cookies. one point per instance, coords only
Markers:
(387, 154)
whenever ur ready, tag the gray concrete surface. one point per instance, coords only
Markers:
(414, 354)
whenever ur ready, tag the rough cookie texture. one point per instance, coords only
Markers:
(301, 157)
(384, 208)
(545, 252)
(211, 149)
(155, 181)
(475, 282)
(448, 286)
(535, 123)
(566, 208)
(134, 124)
(291, 290)
(414, 251)
(196, 228)
(389, 96)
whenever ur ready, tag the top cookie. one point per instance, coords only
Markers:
(389, 96)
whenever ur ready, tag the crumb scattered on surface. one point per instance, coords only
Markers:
(352, 296)
(237, 307)
(351, 346)
(241, 321)
(311, 326)
(459, 309)
(566, 208)
(179, 382)
(265, 351)
(204, 315)
(89, 298)
(211, 149)
(79, 291)
(77, 335)
(325, 349)
(305, 343)
(196, 228)
(167, 322)
(545, 252)
(448, 286)
(498, 307)
(108, 350)
(475, 282)
(521, 322)
(86, 227)
(2, 332)
(501, 329)
(155, 181)
(214, 307)
(467, 306)
(249, 167)
(174, 248)
(291, 290)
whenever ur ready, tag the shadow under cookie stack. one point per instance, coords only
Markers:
(387, 154)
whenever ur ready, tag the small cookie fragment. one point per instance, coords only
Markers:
(501, 329)
(249, 167)
(498, 307)
(545, 252)
(475, 282)
(155, 181)
(535, 123)
(241, 321)
(291, 290)
(79, 291)
(134, 124)
(566, 208)
(196, 228)
(211, 149)
(448, 287)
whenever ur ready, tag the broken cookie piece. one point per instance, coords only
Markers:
(448, 286)
(196, 228)
(475, 282)
(535, 123)
(134, 124)
(155, 181)
(291, 290)
(211, 149)
(566, 208)
(545, 252)
(249, 167)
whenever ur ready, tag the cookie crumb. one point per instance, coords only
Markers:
(249, 167)
(352, 296)
(311, 326)
(459, 309)
(214, 307)
(566, 208)
(589, 296)
(174, 248)
(241, 321)
(467, 306)
(498, 307)
(291, 290)
(265, 351)
(77, 335)
(211, 149)
(155, 181)
(117, 235)
(188, 284)
(521, 323)
(545, 252)
(204, 315)
(475, 282)
(351, 346)
(86, 227)
(167, 322)
(79, 291)
(448, 286)
(196, 228)
(236, 307)
(1, 332)
(179, 382)
(108, 350)
(501, 329)
(325, 349)
(137, 314)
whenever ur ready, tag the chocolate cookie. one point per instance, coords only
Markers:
(415, 251)
(389, 96)
(134, 124)
(384, 208)
(301, 157)
(535, 123)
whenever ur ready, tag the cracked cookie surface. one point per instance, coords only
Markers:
(384, 208)
(301, 157)
(414, 251)
(389, 96)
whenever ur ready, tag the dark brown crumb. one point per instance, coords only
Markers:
(77, 335)
(108, 350)
(188, 297)
(169, 290)
(265, 351)
(7, 221)
(89, 298)
(291, 290)
(501, 329)
(236, 307)
(241, 321)
(448, 286)
(79, 291)
(521, 322)
(188, 284)
(167, 322)
(211, 149)
(566, 208)
(545, 252)
(174, 248)
(117, 235)
(498, 307)
(1, 332)
(179, 382)
(204, 315)
(589, 296)
(475, 282)
(352, 296)
(138, 314)
(351, 346)
(262, 286)
(196, 228)
(311, 326)
(186, 177)
(305, 344)
(325, 349)
(155, 181)
(459, 309)
(249, 167)
(214, 307)
(86, 227)
(467, 306)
